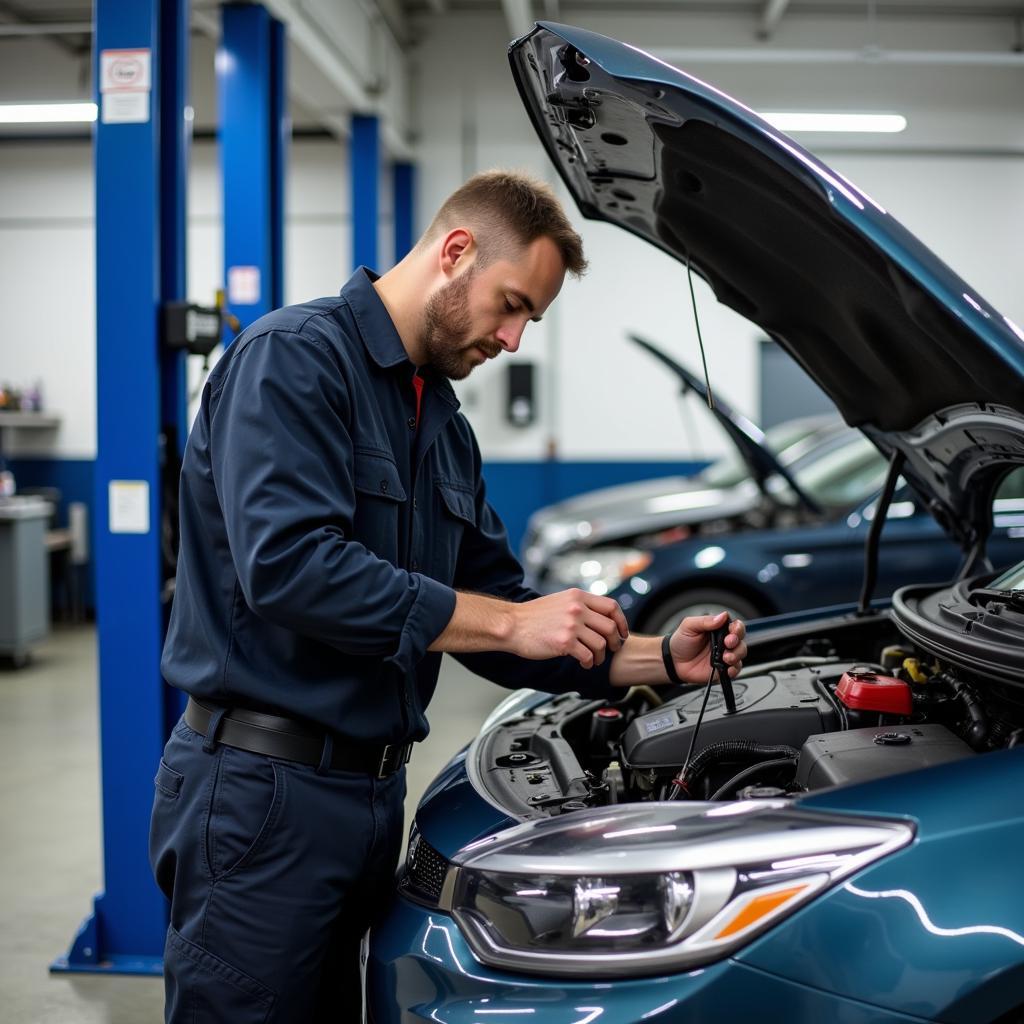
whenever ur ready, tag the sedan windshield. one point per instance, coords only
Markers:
(1012, 580)
(786, 441)
(840, 475)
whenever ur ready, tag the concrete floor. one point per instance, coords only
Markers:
(51, 855)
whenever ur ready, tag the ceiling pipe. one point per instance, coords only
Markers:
(336, 123)
(519, 17)
(51, 28)
(770, 17)
(357, 96)
(869, 56)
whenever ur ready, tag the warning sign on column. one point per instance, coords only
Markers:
(125, 85)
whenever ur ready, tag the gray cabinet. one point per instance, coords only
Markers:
(24, 575)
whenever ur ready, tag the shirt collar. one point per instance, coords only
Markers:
(376, 327)
(378, 333)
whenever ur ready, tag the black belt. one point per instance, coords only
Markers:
(275, 736)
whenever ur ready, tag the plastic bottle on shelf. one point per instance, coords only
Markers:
(32, 400)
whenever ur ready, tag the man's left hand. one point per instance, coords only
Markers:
(690, 646)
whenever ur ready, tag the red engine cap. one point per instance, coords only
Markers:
(866, 691)
(608, 713)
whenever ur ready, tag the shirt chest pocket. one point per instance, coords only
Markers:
(455, 506)
(380, 495)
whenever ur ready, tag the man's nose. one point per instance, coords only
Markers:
(510, 335)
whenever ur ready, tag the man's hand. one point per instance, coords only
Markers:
(690, 646)
(572, 622)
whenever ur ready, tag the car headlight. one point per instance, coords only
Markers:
(599, 570)
(648, 890)
(512, 706)
(547, 536)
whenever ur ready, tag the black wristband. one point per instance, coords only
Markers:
(666, 656)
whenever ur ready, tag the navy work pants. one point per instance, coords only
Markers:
(274, 873)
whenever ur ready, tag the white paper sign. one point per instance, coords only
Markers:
(125, 108)
(129, 506)
(126, 79)
(125, 70)
(243, 286)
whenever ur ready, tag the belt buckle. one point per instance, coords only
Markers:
(392, 759)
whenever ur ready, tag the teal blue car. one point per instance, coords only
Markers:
(840, 839)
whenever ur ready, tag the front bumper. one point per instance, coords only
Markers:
(420, 969)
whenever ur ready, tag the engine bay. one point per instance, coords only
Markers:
(809, 714)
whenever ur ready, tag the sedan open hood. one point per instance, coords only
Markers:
(748, 439)
(905, 348)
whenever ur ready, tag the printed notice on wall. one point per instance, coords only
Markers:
(125, 85)
(243, 286)
(125, 108)
(129, 506)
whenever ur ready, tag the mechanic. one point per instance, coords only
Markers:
(335, 539)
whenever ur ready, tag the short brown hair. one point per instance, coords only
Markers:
(497, 204)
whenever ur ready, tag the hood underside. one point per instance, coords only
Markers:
(900, 343)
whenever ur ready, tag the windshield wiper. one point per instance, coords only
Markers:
(984, 595)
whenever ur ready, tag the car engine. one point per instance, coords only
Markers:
(810, 717)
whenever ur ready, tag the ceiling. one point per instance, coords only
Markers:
(332, 71)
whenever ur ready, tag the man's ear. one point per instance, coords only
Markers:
(458, 249)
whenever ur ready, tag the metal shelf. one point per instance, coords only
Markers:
(28, 420)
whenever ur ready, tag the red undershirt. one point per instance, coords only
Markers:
(417, 384)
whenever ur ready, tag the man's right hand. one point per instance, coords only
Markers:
(571, 622)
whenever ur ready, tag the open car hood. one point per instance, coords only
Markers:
(748, 439)
(906, 349)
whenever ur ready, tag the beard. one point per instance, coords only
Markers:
(446, 330)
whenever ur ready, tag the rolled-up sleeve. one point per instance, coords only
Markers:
(487, 566)
(282, 460)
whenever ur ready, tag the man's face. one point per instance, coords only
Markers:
(484, 310)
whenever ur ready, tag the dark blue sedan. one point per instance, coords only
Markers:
(774, 571)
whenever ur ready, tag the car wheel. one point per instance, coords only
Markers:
(703, 601)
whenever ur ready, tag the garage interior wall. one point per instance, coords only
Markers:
(606, 412)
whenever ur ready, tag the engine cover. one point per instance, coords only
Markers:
(860, 755)
(777, 707)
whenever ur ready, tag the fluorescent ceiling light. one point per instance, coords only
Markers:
(46, 113)
(811, 122)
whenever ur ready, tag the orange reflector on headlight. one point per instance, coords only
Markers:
(635, 565)
(759, 907)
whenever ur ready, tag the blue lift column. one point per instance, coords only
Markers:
(141, 61)
(364, 160)
(254, 134)
(403, 184)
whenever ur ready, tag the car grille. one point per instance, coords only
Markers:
(425, 871)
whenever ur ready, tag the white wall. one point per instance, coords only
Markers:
(605, 399)
(47, 279)
(47, 289)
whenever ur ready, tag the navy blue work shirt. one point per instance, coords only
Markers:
(324, 531)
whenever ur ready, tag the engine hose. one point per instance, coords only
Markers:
(978, 731)
(751, 769)
(742, 749)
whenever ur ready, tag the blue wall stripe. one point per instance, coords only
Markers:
(516, 489)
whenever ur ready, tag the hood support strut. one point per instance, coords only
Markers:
(875, 532)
